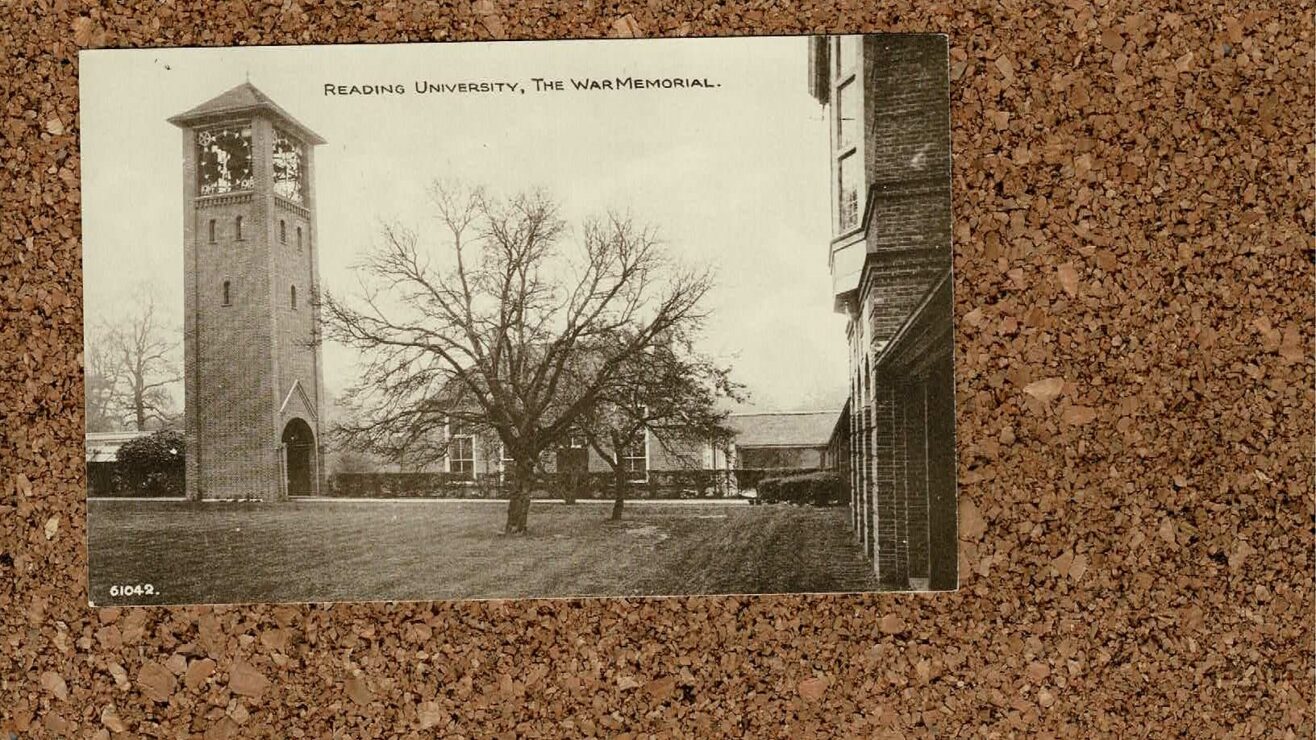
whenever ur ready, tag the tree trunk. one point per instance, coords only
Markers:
(518, 509)
(518, 504)
(618, 492)
(139, 406)
(570, 484)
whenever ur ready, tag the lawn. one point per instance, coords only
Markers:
(420, 550)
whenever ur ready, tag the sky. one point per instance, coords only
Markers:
(735, 176)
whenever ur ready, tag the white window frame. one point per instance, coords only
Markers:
(848, 90)
(448, 456)
(856, 212)
(503, 461)
(627, 458)
(840, 70)
(846, 73)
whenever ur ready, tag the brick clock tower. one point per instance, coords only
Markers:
(253, 388)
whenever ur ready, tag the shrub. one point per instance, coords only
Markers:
(769, 490)
(153, 465)
(686, 484)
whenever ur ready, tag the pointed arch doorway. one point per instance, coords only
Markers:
(298, 458)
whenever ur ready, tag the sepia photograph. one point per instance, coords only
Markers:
(493, 320)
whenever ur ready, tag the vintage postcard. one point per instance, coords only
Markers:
(518, 319)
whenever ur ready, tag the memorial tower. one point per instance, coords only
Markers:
(253, 378)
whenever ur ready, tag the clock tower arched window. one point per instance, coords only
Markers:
(224, 159)
(289, 163)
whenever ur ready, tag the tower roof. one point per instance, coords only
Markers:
(244, 98)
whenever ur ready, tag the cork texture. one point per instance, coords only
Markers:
(1134, 301)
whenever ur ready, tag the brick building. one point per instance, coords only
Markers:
(465, 458)
(252, 372)
(783, 440)
(473, 452)
(887, 106)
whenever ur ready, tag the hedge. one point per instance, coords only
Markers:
(821, 488)
(747, 478)
(411, 485)
(590, 485)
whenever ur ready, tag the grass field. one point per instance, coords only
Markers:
(405, 550)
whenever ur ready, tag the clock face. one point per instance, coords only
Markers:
(224, 159)
(288, 161)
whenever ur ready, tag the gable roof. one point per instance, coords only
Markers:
(306, 400)
(245, 98)
(784, 429)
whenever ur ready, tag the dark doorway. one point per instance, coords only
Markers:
(298, 448)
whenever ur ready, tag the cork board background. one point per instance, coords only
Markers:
(1133, 217)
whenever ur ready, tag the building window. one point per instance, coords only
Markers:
(237, 228)
(227, 295)
(635, 458)
(506, 463)
(211, 228)
(847, 54)
(847, 133)
(293, 297)
(283, 231)
(299, 238)
(461, 451)
(847, 115)
(849, 180)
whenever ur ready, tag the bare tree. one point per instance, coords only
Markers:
(669, 391)
(131, 363)
(515, 325)
(100, 382)
(146, 366)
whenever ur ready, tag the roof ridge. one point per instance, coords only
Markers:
(241, 98)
